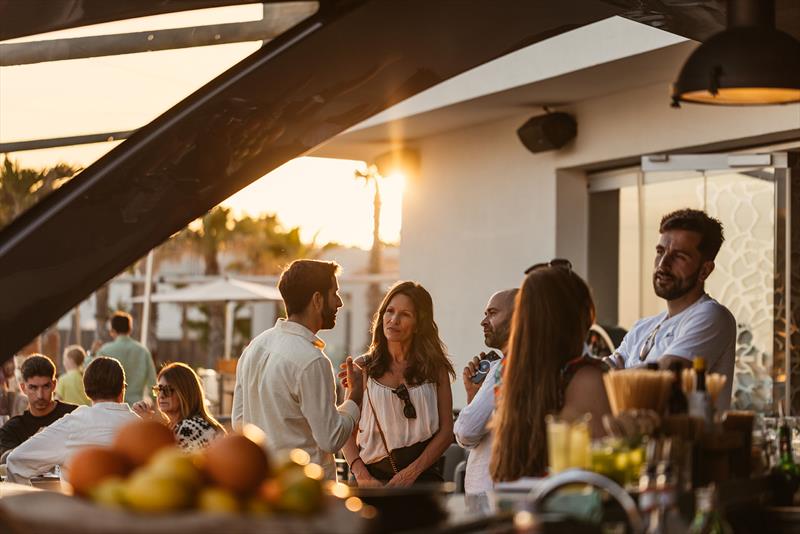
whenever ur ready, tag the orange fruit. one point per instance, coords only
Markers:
(237, 464)
(91, 465)
(140, 440)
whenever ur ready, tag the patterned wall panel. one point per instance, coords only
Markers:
(743, 278)
(790, 334)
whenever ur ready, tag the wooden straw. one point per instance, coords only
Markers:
(608, 381)
(637, 389)
(687, 381)
(714, 384)
(664, 387)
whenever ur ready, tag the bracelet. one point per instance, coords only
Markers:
(354, 463)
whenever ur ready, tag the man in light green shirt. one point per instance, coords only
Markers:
(140, 372)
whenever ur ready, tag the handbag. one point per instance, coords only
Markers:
(399, 458)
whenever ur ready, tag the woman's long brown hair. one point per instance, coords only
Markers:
(552, 315)
(427, 357)
(189, 391)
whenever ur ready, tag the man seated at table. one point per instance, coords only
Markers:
(694, 324)
(104, 382)
(39, 385)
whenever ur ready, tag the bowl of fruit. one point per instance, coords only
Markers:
(144, 483)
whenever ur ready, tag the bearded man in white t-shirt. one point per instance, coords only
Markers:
(694, 324)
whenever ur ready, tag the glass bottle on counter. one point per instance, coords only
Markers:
(677, 404)
(785, 475)
(665, 518)
(707, 518)
(648, 497)
(699, 401)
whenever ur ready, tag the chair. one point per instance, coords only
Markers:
(454, 455)
(460, 476)
(226, 383)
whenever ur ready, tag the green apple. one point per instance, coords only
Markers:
(173, 463)
(301, 494)
(110, 492)
(148, 492)
(258, 506)
(217, 501)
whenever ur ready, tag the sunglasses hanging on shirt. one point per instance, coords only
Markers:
(408, 408)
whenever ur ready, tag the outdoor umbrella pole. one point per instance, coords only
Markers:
(229, 311)
(148, 285)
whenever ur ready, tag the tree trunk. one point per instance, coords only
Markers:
(51, 342)
(152, 334)
(184, 326)
(137, 290)
(374, 292)
(216, 333)
(101, 314)
(75, 334)
(216, 311)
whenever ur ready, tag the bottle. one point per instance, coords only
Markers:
(785, 475)
(648, 497)
(699, 401)
(677, 404)
(648, 500)
(707, 518)
(664, 518)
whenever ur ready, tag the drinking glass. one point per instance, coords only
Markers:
(568, 444)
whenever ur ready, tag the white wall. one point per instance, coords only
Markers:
(481, 211)
(483, 208)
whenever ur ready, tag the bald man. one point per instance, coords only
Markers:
(470, 427)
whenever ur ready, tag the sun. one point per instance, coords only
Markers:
(323, 197)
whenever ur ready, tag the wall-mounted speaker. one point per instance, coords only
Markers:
(548, 132)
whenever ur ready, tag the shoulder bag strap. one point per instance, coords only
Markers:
(380, 431)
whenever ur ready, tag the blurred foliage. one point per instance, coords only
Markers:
(257, 246)
(22, 187)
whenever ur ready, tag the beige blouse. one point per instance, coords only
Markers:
(399, 430)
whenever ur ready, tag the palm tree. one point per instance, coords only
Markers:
(261, 246)
(101, 314)
(372, 177)
(209, 239)
(265, 247)
(21, 188)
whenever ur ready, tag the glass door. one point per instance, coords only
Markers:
(749, 194)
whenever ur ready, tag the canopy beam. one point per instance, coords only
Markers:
(277, 19)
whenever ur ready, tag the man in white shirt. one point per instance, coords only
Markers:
(54, 445)
(284, 381)
(471, 426)
(694, 324)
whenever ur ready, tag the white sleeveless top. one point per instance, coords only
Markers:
(397, 428)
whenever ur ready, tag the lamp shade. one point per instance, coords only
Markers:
(740, 67)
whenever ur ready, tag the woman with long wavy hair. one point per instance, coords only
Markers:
(407, 413)
(546, 371)
(181, 406)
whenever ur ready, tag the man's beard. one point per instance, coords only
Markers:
(497, 338)
(676, 290)
(328, 315)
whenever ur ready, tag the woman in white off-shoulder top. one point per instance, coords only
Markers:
(406, 416)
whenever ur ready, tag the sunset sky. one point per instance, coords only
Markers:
(87, 96)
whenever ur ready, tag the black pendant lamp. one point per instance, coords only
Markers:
(750, 63)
